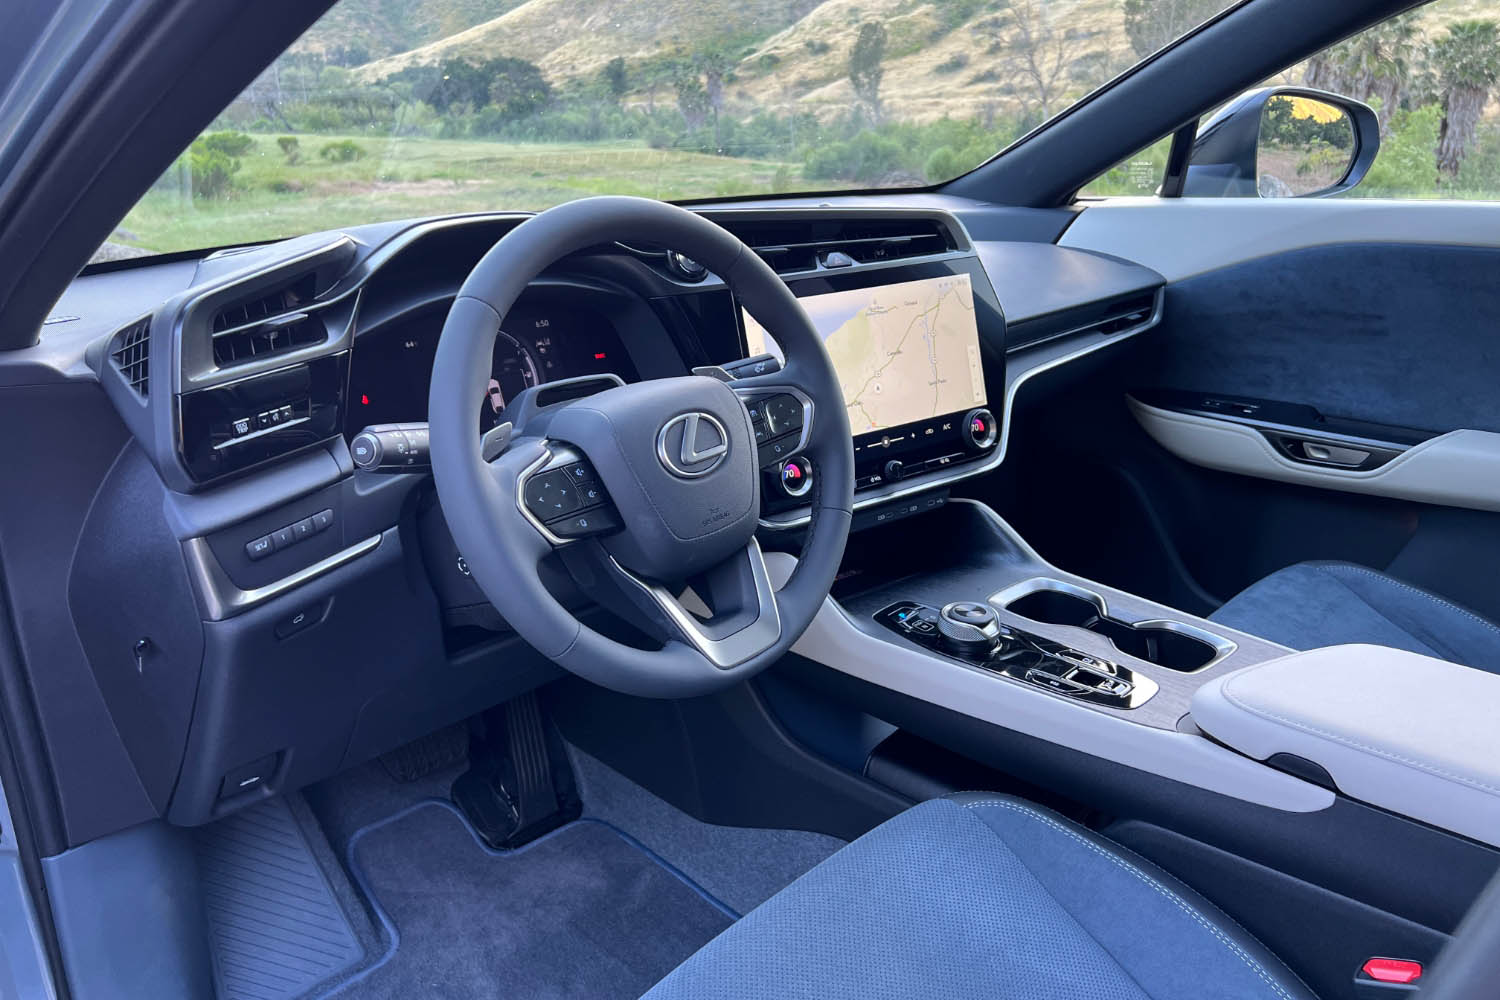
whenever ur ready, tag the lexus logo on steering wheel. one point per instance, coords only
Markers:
(692, 445)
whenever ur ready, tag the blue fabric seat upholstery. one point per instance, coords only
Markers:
(983, 896)
(1316, 604)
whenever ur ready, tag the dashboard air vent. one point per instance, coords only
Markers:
(792, 247)
(131, 354)
(272, 323)
(1100, 319)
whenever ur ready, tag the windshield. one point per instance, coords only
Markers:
(389, 109)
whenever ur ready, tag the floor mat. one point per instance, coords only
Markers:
(741, 866)
(274, 921)
(583, 912)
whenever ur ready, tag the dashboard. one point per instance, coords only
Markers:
(206, 409)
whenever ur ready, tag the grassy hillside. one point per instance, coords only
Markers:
(951, 57)
(574, 38)
(379, 28)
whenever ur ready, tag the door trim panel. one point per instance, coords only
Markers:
(1457, 469)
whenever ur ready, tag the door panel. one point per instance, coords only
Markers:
(1376, 319)
(1181, 237)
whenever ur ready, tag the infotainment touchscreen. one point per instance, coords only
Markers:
(904, 352)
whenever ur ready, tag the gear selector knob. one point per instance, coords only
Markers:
(969, 627)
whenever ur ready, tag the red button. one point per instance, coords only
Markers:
(1393, 970)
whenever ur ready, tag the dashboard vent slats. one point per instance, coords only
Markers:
(789, 248)
(131, 354)
(1100, 319)
(826, 244)
(268, 324)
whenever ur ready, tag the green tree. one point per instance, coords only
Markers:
(714, 63)
(615, 77)
(1152, 24)
(865, 70)
(1468, 63)
(517, 88)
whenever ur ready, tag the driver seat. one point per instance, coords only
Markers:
(982, 895)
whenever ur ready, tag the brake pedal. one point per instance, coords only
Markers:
(519, 784)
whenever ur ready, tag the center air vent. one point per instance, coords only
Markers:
(268, 324)
(131, 354)
(790, 246)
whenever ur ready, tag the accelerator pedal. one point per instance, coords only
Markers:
(519, 784)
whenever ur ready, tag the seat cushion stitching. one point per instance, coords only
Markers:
(1346, 741)
(1061, 906)
(1362, 571)
(1177, 900)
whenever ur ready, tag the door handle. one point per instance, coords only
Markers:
(1322, 453)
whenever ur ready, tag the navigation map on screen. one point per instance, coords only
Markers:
(903, 352)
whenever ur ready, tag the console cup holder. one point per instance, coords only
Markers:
(1170, 644)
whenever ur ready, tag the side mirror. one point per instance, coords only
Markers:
(1282, 142)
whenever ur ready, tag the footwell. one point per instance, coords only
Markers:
(585, 911)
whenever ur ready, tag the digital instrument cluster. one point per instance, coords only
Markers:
(539, 342)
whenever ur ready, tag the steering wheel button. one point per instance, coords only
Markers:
(589, 494)
(591, 522)
(551, 495)
(783, 414)
(580, 472)
(774, 451)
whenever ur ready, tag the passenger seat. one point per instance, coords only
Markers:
(1314, 604)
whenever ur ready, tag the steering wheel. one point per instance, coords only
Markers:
(676, 456)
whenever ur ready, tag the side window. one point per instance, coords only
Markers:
(1138, 174)
(1431, 76)
(1420, 88)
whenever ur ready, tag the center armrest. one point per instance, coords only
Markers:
(1405, 732)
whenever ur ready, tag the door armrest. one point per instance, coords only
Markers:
(1408, 733)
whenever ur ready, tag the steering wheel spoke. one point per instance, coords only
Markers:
(728, 614)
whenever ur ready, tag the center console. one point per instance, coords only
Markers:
(953, 609)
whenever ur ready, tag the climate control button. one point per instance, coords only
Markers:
(980, 429)
(796, 476)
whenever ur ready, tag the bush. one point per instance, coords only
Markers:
(342, 151)
(867, 157)
(281, 185)
(231, 144)
(212, 170)
(943, 165)
(289, 148)
(1407, 162)
(952, 64)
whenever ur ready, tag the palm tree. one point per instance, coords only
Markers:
(1468, 62)
(1374, 65)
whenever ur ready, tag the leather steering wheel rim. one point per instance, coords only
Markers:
(480, 499)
